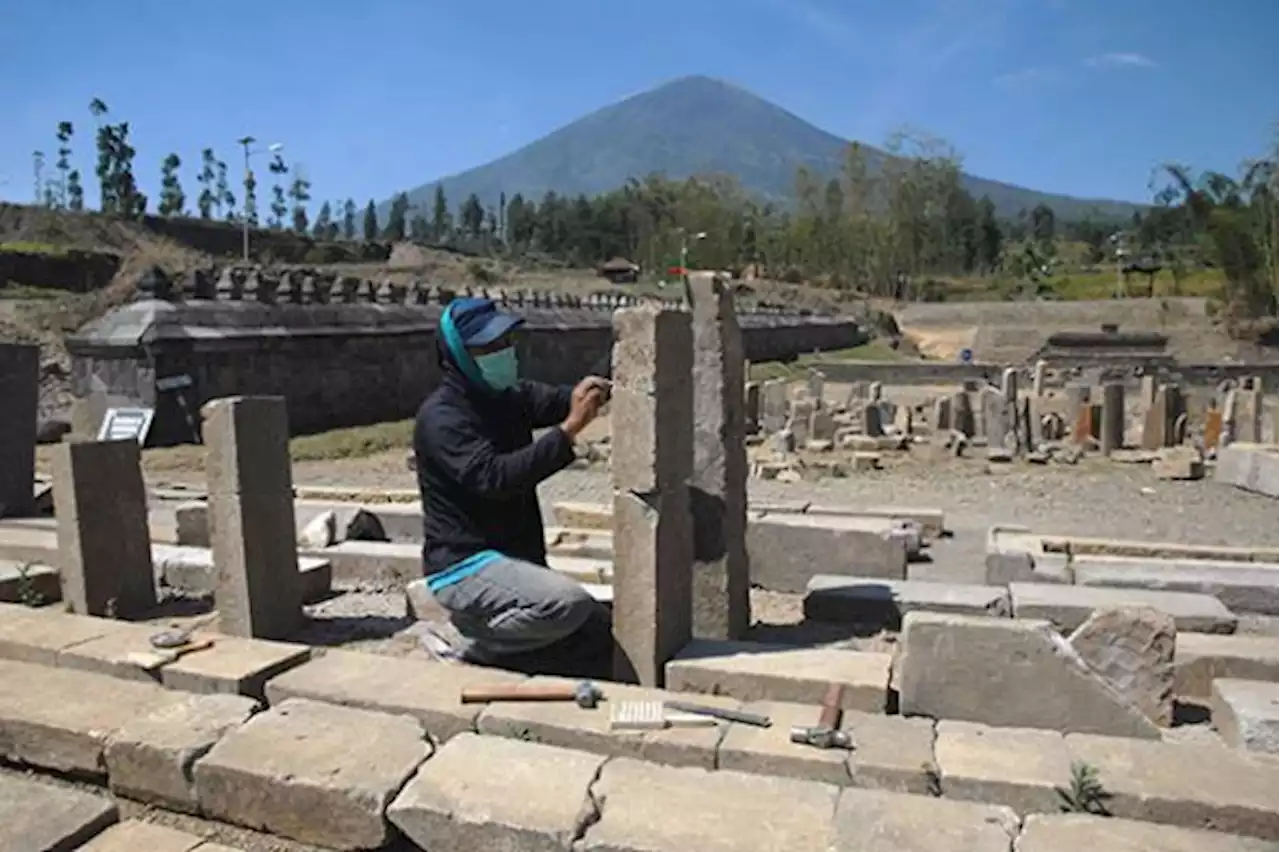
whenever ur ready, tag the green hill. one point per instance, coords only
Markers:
(698, 125)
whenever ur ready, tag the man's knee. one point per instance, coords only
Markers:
(570, 608)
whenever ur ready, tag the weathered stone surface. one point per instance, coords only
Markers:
(1076, 832)
(20, 389)
(37, 635)
(1018, 767)
(752, 671)
(892, 753)
(190, 569)
(566, 725)
(1247, 714)
(785, 553)
(427, 691)
(876, 821)
(22, 582)
(150, 758)
(884, 602)
(1251, 467)
(1132, 649)
(1188, 785)
(1202, 657)
(61, 719)
(1068, 607)
(38, 817)
(495, 794)
(1111, 431)
(1006, 672)
(233, 666)
(104, 543)
(648, 808)
(137, 836)
(1241, 586)
(312, 772)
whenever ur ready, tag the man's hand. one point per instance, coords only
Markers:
(588, 396)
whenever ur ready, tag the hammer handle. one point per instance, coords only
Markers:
(831, 710)
(486, 694)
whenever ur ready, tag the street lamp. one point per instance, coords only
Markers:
(246, 142)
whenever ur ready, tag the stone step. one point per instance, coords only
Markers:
(1067, 607)
(134, 835)
(1074, 832)
(36, 815)
(1246, 714)
(865, 600)
(1199, 658)
(384, 563)
(1252, 587)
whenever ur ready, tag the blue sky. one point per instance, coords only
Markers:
(1075, 96)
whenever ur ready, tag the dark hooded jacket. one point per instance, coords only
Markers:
(479, 467)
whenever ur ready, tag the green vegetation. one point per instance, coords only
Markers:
(355, 442)
(875, 350)
(26, 247)
(1085, 793)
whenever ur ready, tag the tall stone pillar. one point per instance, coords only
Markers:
(19, 402)
(104, 542)
(718, 492)
(1038, 378)
(652, 462)
(258, 590)
(1111, 431)
(1009, 385)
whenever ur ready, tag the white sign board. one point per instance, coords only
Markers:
(121, 423)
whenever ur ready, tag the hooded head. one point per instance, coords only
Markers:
(477, 341)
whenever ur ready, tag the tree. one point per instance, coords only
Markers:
(279, 208)
(397, 219)
(299, 196)
(370, 222)
(250, 212)
(440, 224)
(37, 166)
(349, 219)
(208, 198)
(105, 169)
(172, 199)
(320, 229)
(419, 228)
(63, 165)
(1043, 224)
(129, 199)
(75, 191)
(225, 198)
(471, 216)
(990, 239)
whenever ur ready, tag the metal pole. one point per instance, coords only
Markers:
(245, 217)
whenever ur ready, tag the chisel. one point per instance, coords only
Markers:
(718, 713)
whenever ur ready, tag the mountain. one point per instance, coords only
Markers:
(698, 125)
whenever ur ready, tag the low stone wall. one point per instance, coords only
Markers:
(73, 270)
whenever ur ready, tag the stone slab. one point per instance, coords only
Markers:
(1251, 467)
(1131, 648)
(39, 817)
(1247, 714)
(491, 793)
(1193, 786)
(566, 725)
(312, 772)
(1201, 657)
(650, 808)
(1068, 607)
(61, 720)
(189, 569)
(1241, 586)
(753, 671)
(428, 691)
(878, 821)
(38, 635)
(22, 543)
(151, 757)
(1006, 672)
(28, 583)
(1021, 768)
(1074, 832)
(883, 602)
(932, 522)
(892, 752)
(786, 551)
(374, 563)
(134, 835)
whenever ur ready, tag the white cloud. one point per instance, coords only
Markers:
(1120, 60)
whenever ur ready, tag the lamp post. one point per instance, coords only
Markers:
(246, 142)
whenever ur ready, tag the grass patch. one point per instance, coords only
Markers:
(875, 350)
(355, 442)
(1090, 285)
(14, 290)
(27, 247)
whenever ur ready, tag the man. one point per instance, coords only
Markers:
(478, 470)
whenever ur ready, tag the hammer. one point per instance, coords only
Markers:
(827, 734)
(585, 693)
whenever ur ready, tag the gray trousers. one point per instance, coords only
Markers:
(511, 608)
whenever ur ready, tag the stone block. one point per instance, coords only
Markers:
(1006, 672)
(1074, 832)
(190, 569)
(1131, 648)
(20, 390)
(1199, 658)
(150, 758)
(37, 635)
(1247, 714)
(428, 691)
(1192, 786)
(785, 553)
(892, 753)
(233, 666)
(1021, 768)
(26, 583)
(884, 602)
(932, 522)
(648, 808)
(60, 720)
(104, 542)
(312, 772)
(877, 821)
(1179, 465)
(134, 835)
(1243, 587)
(1068, 607)
(489, 793)
(1250, 467)
(566, 725)
(247, 449)
(379, 563)
(754, 671)
(36, 816)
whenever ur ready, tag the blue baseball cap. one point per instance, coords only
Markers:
(479, 322)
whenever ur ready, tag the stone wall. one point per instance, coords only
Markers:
(74, 270)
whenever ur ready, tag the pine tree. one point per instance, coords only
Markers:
(320, 229)
(207, 179)
(300, 194)
(224, 198)
(397, 224)
(129, 199)
(439, 215)
(65, 131)
(172, 199)
(370, 222)
(106, 147)
(75, 192)
(349, 219)
(471, 216)
(250, 198)
(279, 208)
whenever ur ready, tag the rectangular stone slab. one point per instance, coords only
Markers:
(1246, 714)
(1201, 657)
(651, 808)
(1021, 768)
(493, 793)
(566, 725)
(37, 635)
(36, 815)
(753, 671)
(1006, 672)
(877, 821)
(866, 600)
(233, 666)
(61, 719)
(428, 691)
(190, 570)
(1067, 607)
(377, 562)
(1193, 786)
(134, 835)
(1241, 586)
(787, 550)
(312, 772)
(1077, 832)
